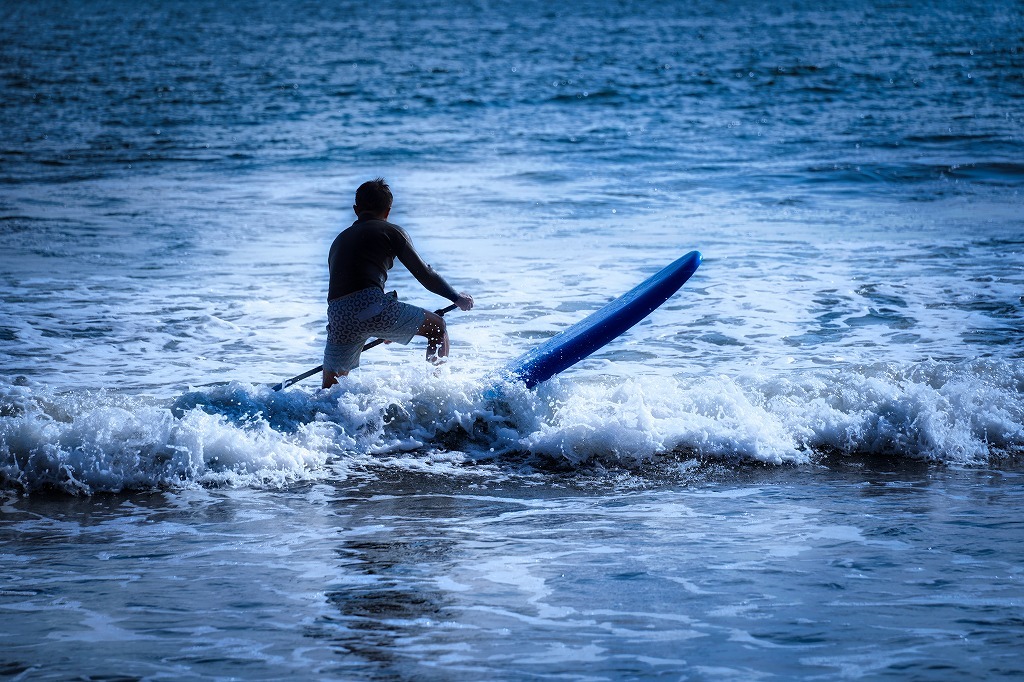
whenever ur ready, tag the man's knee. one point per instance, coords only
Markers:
(433, 326)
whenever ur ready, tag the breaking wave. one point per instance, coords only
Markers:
(244, 435)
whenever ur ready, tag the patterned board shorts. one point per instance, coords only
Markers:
(355, 318)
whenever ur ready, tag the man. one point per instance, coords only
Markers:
(357, 307)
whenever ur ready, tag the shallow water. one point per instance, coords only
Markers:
(804, 465)
(874, 571)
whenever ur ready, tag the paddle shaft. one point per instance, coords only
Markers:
(376, 342)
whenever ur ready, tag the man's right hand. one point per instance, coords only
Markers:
(464, 301)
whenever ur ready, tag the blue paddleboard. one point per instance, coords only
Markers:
(591, 333)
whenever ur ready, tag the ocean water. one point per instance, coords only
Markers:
(805, 465)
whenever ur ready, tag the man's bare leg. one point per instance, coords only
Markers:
(331, 378)
(436, 333)
(433, 329)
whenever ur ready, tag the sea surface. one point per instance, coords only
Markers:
(808, 464)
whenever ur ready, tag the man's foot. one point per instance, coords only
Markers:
(331, 378)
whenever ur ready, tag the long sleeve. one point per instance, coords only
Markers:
(425, 274)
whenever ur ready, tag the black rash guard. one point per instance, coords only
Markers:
(361, 256)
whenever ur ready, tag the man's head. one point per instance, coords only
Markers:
(374, 197)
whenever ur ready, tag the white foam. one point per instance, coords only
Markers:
(245, 435)
(84, 443)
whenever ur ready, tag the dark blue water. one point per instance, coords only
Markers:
(806, 465)
(782, 102)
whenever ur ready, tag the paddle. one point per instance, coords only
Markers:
(376, 342)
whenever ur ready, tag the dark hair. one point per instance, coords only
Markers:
(374, 196)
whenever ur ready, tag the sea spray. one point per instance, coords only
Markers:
(635, 420)
(967, 414)
(104, 442)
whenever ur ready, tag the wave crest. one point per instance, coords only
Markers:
(968, 414)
